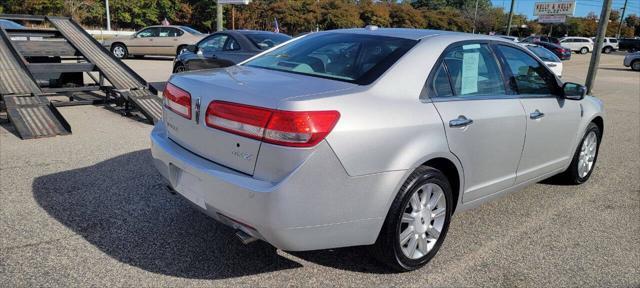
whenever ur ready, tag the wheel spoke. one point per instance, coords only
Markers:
(423, 245)
(408, 218)
(406, 235)
(415, 202)
(433, 232)
(435, 199)
(411, 247)
(438, 212)
(425, 195)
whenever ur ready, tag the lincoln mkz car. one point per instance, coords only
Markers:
(371, 137)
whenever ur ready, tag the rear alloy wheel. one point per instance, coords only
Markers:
(584, 50)
(635, 65)
(584, 159)
(417, 222)
(119, 50)
(179, 68)
(607, 50)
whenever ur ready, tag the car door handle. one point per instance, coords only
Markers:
(536, 115)
(552, 65)
(460, 122)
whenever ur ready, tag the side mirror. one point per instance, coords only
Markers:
(192, 48)
(573, 91)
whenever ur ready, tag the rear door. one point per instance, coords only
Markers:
(485, 126)
(552, 121)
(167, 43)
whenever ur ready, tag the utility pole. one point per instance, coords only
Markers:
(597, 50)
(624, 9)
(218, 16)
(106, 4)
(513, 2)
(475, 16)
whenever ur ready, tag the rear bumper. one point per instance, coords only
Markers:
(317, 206)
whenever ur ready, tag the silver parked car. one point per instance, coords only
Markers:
(371, 137)
(632, 60)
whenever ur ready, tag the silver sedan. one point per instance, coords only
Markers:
(371, 137)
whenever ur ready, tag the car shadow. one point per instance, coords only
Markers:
(122, 207)
(154, 58)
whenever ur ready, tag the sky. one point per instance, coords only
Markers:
(583, 7)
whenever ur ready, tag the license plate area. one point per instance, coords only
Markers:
(189, 186)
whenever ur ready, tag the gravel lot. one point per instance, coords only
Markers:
(89, 209)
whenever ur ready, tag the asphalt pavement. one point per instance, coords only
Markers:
(89, 209)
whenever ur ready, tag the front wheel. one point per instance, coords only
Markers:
(584, 50)
(417, 222)
(635, 65)
(607, 50)
(584, 159)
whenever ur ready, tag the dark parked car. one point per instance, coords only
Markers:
(226, 48)
(562, 52)
(629, 44)
(536, 39)
(7, 24)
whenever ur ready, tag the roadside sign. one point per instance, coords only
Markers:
(237, 2)
(554, 8)
(552, 18)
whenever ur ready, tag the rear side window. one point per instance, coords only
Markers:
(544, 54)
(527, 74)
(441, 85)
(473, 71)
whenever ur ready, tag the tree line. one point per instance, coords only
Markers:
(300, 16)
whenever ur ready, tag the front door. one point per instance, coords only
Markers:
(208, 52)
(552, 121)
(485, 127)
(143, 41)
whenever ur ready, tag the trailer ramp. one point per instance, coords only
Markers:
(119, 74)
(32, 115)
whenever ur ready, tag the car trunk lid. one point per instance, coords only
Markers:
(243, 85)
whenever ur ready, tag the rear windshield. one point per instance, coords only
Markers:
(544, 54)
(265, 41)
(354, 58)
(191, 30)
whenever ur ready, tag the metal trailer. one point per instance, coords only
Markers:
(38, 63)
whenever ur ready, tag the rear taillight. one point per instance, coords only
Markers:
(286, 128)
(177, 100)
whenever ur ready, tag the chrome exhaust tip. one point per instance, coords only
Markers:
(244, 237)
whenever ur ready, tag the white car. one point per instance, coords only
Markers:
(551, 60)
(582, 45)
(609, 44)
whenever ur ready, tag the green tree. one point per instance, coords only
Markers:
(405, 16)
(335, 14)
(375, 13)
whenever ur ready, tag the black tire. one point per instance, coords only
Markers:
(635, 65)
(179, 68)
(120, 54)
(584, 50)
(571, 175)
(607, 50)
(179, 50)
(387, 248)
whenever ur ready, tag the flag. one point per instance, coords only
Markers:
(276, 26)
(165, 22)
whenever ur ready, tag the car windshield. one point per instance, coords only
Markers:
(265, 41)
(354, 58)
(191, 30)
(544, 54)
(6, 24)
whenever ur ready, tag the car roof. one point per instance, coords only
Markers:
(412, 34)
